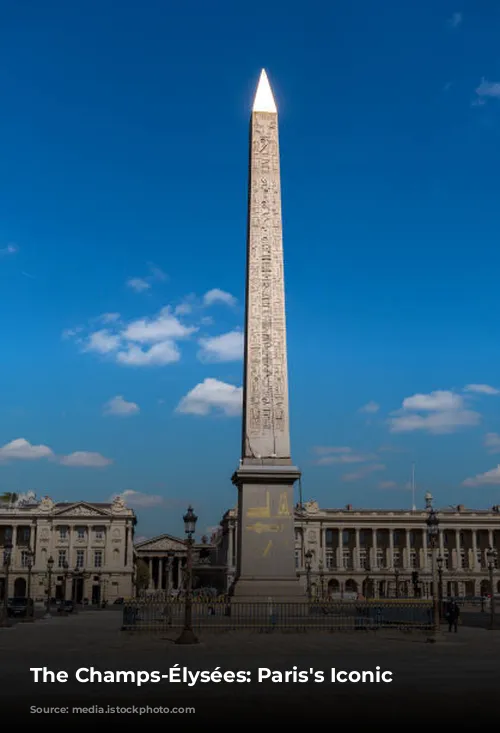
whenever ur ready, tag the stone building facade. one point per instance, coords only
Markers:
(165, 557)
(377, 552)
(95, 540)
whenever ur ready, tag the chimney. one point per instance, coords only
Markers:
(349, 507)
(460, 508)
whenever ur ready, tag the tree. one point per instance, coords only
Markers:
(141, 575)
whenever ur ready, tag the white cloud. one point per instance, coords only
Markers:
(481, 389)
(210, 395)
(342, 455)
(490, 478)
(370, 407)
(85, 459)
(124, 342)
(10, 249)
(108, 317)
(137, 499)
(160, 354)
(323, 450)
(226, 347)
(455, 20)
(437, 422)
(492, 442)
(439, 400)
(183, 309)
(387, 484)
(21, 450)
(69, 333)
(363, 472)
(119, 406)
(102, 341)
(219, 296)
(486, 89)
(162, 327)
(157, 273)
(445, 414)
(207, 321)
(138, 284)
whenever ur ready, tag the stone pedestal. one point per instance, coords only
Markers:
(266, 538)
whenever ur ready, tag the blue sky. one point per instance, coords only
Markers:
(123, 140)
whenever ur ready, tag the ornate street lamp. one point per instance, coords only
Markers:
(50, 565)
(308, 557)
(188, 636)
(30, 609)
(7, 556)
(433, 534)
(491, 556)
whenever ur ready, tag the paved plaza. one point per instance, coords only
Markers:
(457, 678)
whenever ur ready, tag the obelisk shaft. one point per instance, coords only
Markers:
(265, 398)
(265, 478)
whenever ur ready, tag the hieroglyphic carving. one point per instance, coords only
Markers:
(266, 389)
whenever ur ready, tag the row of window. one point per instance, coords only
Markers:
(81, 532)
(348, 561)
(62, 558)
(399, 536)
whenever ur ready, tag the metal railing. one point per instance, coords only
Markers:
(159, 617)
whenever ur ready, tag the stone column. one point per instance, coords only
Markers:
(160, 573)
(458, 561)
(170, 577)
(356, 559)
(150, 563)
(340, 548)
(490, 538)
(390, 563)
(441, 545)
(474, 550)
(408, 550)
(374, 560)
(425, 564)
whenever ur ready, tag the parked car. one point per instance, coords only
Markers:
(66, 606)
(18, 607)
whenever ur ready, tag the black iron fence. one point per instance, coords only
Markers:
(154, 616)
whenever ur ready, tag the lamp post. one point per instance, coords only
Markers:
(187, 636)
(7, 556)
(491, 556)
(440, 562)
(50, 565)
(322, 579)
(433, 533)
(30, 609)
(308, 557)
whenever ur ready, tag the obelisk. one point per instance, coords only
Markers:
(266, 475)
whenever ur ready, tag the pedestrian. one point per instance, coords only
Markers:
(453, 614)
